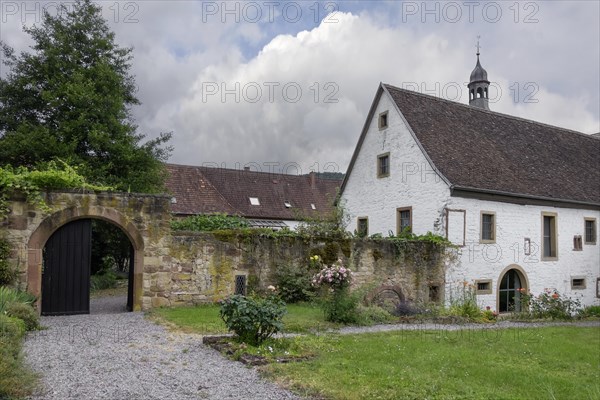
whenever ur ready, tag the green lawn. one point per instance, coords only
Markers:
(204, 319)
(532, 363)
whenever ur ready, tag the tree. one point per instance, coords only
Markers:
(71, 99)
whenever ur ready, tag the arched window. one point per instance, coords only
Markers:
(479, 93)
(486, 92)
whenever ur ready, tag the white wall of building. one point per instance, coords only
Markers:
(412, 183)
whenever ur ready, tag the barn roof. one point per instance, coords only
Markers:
(205, 190)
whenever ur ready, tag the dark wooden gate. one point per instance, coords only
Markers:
(66, 270)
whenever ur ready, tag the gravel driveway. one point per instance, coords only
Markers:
(113, 355)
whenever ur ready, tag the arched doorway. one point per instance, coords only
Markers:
(54, 224)
(81, 256)
(512, 281)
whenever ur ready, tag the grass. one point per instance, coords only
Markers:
(540, 363)
(205, 319)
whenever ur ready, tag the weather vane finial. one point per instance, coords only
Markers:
(478, 47)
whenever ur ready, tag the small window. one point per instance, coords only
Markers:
(549, 242)
(383, 165)
(362, 228)
(488, 227)
(527, 247)
(434, 293)
(590, 231)
(287, 204)
(173, 200)
(240, 284)
(254, 201)
(313, 206)
(577, 243)
(484, 286)
(404, 220)
(383, 120)
(598, 288)
(577, 282)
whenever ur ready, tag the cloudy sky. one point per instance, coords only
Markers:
(283, 84)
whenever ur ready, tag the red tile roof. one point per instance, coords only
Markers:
(205, 190)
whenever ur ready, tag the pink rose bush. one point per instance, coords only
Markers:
(335, 276)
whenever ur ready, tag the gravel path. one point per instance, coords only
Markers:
(105, 355)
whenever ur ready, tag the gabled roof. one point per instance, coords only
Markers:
(205, 190)
(483, 151)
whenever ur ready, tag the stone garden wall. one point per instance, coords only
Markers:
(172, 269)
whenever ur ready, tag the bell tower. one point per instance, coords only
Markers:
(479, 85)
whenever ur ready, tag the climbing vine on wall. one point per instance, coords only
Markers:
(31, 182)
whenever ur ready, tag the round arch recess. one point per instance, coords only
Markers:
(52, 223)
(522, 276)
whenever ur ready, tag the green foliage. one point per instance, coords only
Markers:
(341, 306)
(16, 381)
(428, 237)
(10, 295)
(548, 305)
(590, 312)
(71, 99)
(7, 272)
(105, 280)
(209, 222)
(26, 313)
(30, 182)
(111, 248)
(327, 226)
(463, 303)
(253, 319)
(294, 282)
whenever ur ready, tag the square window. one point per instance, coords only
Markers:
(488, 227)
(254, 201)
(362, 229)
(590, 231)
(404, 220)
(577, 282)
(383, 120)
(549, 242)
(484, 286)
(287, 204)
(383, 165)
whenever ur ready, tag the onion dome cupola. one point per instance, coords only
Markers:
(478, 86)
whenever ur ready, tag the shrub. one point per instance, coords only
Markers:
(463, 302)
(253, 319)
(590, 311)
(549, 304)
(294, 283)
(105, 280)
(406, 308)
(7, 273)
(26, 313)
(210, 222)
(11, 328)
(337, 301)
(373, 315)
(10, 295)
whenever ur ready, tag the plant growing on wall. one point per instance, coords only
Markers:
(209, 222)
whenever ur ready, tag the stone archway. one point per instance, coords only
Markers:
(49, 225)
(387, 297)
(510, 280)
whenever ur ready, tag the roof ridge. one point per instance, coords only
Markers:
(243, 170)
(477, 109)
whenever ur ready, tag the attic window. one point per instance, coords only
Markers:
(287, 204)
(313, 206)
(254, 201)
(173, 200)
(383, 120)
